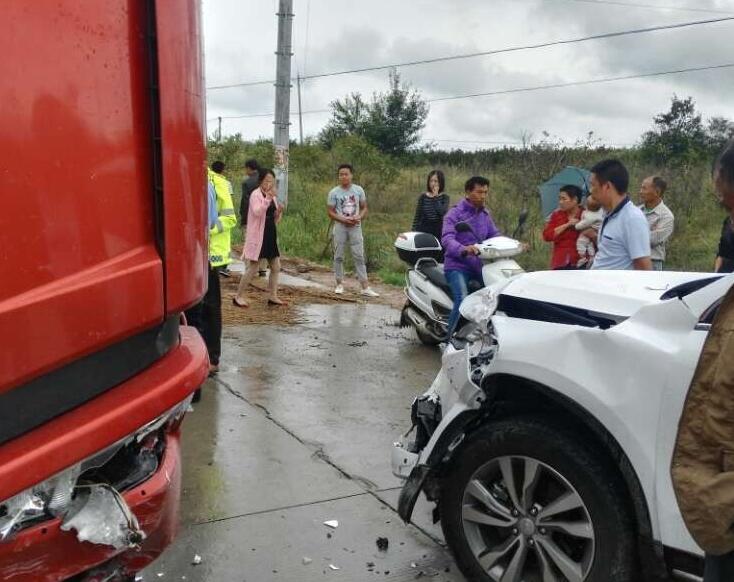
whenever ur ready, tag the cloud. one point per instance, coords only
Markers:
(344, 34)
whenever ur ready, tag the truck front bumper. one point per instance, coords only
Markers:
(45, 553)
(42, 552)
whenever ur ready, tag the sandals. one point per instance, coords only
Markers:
(279, 303)
(238, 304)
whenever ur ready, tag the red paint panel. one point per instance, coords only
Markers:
(182, 104)
(78, 266)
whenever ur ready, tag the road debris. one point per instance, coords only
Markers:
(357, 344)
(306, 560)
(332, 523)
(333, 567)
(197, 560)
(382, 544)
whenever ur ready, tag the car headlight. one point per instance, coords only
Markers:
(479, 307)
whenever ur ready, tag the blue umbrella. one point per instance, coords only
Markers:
(570, 175)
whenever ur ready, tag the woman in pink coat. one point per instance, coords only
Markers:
(261, 241)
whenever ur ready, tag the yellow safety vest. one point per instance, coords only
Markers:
(220, 241)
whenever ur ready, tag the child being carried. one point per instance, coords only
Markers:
(590, 218)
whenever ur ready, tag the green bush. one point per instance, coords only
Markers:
(392, 192)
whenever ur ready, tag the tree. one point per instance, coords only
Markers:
(678, 136)
(719, 131)
(392, 121)
(348, 117)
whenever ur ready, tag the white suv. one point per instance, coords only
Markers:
(546, 438)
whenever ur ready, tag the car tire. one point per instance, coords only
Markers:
(551, 459)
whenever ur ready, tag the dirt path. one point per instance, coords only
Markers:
(298, 294)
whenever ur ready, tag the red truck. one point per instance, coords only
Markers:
(102, 247)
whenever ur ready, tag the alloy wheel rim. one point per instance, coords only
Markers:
(525, 522)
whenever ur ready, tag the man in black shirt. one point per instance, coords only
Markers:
(250, 183)
(725, 255)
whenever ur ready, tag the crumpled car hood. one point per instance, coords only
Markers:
(616, 293)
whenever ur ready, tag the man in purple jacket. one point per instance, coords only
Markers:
(461, 263)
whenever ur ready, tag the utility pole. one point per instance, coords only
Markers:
(300, 113)
(283, 97)
(219, 131)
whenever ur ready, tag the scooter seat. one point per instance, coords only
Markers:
(434, 273)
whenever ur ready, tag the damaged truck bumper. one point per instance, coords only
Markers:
(59, 481)
(45, 553)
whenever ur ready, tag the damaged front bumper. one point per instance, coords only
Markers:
(442, 417)
(45, 552)
(127, 438)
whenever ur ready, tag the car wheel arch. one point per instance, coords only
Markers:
(509, 395)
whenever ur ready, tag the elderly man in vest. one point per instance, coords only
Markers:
(703, 461)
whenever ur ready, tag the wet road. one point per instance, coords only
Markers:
(296, 431)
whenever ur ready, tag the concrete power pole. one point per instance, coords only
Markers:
(300, 113)
(283, 97)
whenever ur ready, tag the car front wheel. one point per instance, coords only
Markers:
(526, 502)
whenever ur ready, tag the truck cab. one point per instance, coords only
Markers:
(103, 245)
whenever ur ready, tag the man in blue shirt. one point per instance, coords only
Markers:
(624, 236)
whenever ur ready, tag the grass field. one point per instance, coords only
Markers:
(393, 187)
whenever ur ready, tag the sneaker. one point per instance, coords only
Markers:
(369, 292)
(339, 289)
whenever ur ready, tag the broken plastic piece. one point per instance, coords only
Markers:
(333, 567)
(197, 560)
(332, 523)
(24, 506)
(382, 544)
(102, 516)
(306, 560)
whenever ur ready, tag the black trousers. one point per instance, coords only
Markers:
(206, 316)
(719, 568)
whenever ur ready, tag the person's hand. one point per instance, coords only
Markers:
(470, 250)
(591, 234)
(573, 221)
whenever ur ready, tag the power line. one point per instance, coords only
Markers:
(653, 6)
(490, 52)
(253, 115)
(530, 89)
(579, 83)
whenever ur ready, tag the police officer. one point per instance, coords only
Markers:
(207, 315)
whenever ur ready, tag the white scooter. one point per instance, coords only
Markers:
(429, 299)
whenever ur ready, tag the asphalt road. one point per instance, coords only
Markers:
(296, 431)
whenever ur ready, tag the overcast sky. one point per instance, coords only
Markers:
(332, 35)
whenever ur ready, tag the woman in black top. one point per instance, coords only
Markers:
(432, 205)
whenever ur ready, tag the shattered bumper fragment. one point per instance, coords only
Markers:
(101, 516)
